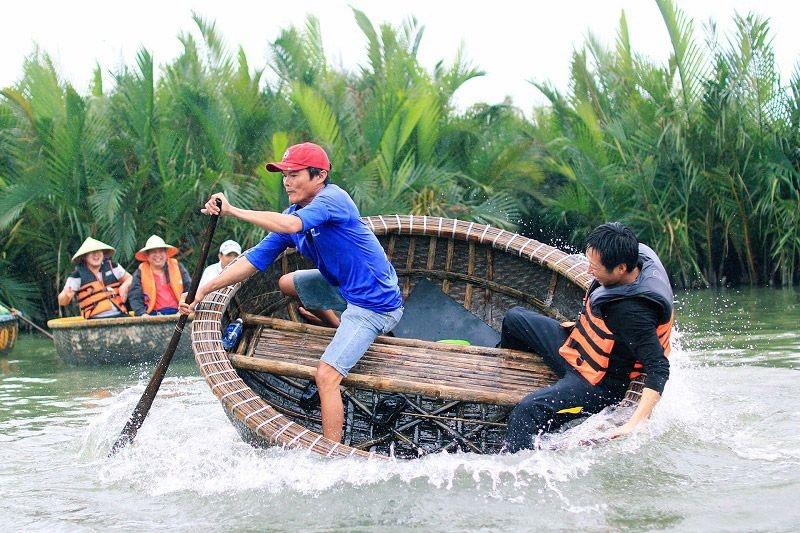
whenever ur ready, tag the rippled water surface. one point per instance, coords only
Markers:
(721, 453)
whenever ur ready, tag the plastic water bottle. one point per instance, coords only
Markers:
(232, 334)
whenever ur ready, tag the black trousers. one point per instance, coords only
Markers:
(569, 398)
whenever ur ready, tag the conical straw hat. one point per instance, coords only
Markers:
(91, 245)
(153, 243)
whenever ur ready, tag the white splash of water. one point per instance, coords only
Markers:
(187, 444)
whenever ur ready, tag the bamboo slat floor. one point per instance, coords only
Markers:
(477, 374)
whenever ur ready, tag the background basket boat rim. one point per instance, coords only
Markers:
(80, 322)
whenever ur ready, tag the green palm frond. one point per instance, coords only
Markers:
(450, 79)
(17, 292)
(321, 119)
(300, 56)
(218, 57)
(687, 55)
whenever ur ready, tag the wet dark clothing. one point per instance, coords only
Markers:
(633, 321)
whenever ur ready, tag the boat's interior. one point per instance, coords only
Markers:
(399, 365)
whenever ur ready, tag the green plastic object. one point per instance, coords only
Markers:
(455, 341)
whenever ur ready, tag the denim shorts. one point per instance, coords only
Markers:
(357, 330)
(358, 327)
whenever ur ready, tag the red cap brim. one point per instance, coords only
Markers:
(282, 167)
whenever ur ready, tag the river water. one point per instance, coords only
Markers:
(721, 452)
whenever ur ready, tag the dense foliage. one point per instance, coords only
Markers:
(700, 156)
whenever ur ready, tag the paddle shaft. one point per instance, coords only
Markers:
(143, 407)
(29, 321)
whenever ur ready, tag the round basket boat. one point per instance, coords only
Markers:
(9, 326)
(422, 390)
(118, 340)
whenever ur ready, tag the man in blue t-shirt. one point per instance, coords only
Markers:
(353, 274)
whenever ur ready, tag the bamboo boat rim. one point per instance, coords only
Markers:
(571, 266)
(248, 408)
(78, 322)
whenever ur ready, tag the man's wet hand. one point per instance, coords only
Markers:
(210, 208)
(620, 431)
(185, 309)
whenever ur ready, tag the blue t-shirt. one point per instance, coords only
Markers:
(342, 247)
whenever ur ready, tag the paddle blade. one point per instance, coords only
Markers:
(143, 407)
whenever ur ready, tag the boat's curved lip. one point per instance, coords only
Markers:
(6, 318)
(571, 266)
(80, 322)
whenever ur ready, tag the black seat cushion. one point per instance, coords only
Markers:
(432, 315)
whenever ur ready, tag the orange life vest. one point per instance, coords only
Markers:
(149, 282)
(590, 343)
(95, 296)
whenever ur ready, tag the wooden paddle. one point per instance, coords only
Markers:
(29, 321)
(140, 412)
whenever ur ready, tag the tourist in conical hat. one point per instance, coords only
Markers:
(100, 284)
(159, 280)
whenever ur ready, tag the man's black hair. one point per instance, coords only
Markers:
(616, 244)
(314, 172)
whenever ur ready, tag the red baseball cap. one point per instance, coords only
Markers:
(300, 156)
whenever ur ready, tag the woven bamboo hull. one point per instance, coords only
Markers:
(9, 326)
(122, 340)
(458, 396)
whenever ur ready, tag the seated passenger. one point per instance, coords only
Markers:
(623, 330)
(159, 281)
(100, 285)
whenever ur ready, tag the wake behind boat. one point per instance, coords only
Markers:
(121, 340)
(438, 384)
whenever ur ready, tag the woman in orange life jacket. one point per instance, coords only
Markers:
(624, 328)
(159, 281)
(100, 285)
